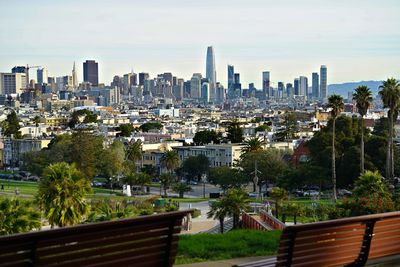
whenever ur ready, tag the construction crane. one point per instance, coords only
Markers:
(27, 75)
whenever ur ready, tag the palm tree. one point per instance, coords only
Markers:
(390, 94)
(166, 180)
(18, 216)
(253, 144)
(278, 195)
(335, 102)
(218, 211)
(235, 201)
(363, 98)
(370, 183)
(36, 121)
(61, 194)
(181, 189)
(134, 152)
(170, 160)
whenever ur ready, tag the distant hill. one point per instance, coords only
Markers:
(343, 88)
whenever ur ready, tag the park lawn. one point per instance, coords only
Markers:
(23, 187)
(187, 200)
(233, 244)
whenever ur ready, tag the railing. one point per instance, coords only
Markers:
(270, 220)
(251, 223)
(141, 241)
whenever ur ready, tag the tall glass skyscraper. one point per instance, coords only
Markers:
(211, 73)
(315, 84)
(266, 83)
(323, 72)
(91, 72)
(231, 81)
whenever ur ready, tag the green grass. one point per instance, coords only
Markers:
(25, 188)
(234, 244)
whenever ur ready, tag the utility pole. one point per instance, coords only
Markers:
(255, 178)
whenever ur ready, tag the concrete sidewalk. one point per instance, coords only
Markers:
(224, 263)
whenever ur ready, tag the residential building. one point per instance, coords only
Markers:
(12, 83)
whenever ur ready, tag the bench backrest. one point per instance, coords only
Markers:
(142, 241)
(340, 242)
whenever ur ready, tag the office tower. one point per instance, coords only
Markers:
(266, 83)
(315, 84)
(237, 86)
(42, 75)
(177, 89)
(323, 73)
(134, 80)
(74, 78)
(296, 86)
(126, 82)
(167, 76)
(211, 73)
(231, 81)
(186, 89)
(303, 86)
(18, 69)
(64, 83)
(281, 90)
(142, 77)
(205, 92)
(117, 81)
(195, 86)
(91, 72)
(220, 93)
(12, 83)
(289, 90)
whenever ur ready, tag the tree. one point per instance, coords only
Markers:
(235, 201)
(218, 211)
(370, 183)
(252, 144)
(82, 116)
(10, 126)
(61, 194)
(85, 150)
(181, 189)
(278, 195)
(390, 94)
(290, 127)
(170, 160)
(227, 178)
(195, 167)
(36, 121)
(152, 125)
(270, 165)
(140, 179)
(18, 216)
(112, 160)
(235, 132)
(335, 102)
(166, 179)
(363, 98)
(262, 128)
(206, 137)
(125, 130)
(134, 152)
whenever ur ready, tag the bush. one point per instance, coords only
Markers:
(233, 244)
(196, 213)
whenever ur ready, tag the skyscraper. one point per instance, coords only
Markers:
(42, 75)
(205, 92)
(303, 86)
(231, 81)
(74, 77)
(323, 72)
(211, 73)
(91, 72)
(296, 86)
(142, 77)
(315, 85)
(195, 86)
(266, 83)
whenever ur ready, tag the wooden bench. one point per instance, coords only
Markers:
(343, 242)
(142, 241)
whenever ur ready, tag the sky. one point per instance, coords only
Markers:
(356, 39)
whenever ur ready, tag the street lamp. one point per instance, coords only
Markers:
(204, 179)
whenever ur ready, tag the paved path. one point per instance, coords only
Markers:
(224, 263)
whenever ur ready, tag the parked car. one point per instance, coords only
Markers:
(344, 193)
(298, 192)
(311, 193)
(252, 194)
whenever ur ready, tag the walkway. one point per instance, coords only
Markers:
(224, 263)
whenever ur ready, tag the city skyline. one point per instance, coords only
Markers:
(341, 35)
